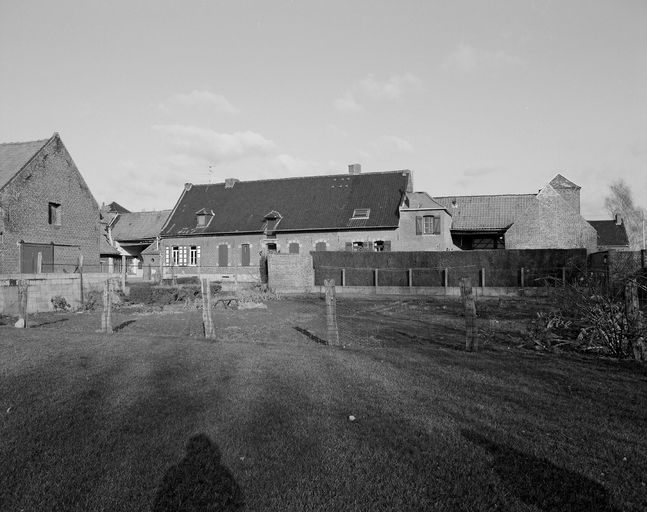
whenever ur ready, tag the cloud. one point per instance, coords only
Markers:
(211, 146)
(482, 170)
(392, 88)
(203, 99)
(346, 103)
(384, 147)
(468, 59)
(369, 87)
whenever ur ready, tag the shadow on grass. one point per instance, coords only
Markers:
(540, 483)
(123, 325)
(310, 335)
(199, 481)
(34, 326)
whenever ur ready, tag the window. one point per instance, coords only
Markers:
(294, 248)
(245, 255)
(361, 213)
(176, 254)
(55, 214)
(428, 225)
(382, 245)
(194, 255)
(271, 248)
(320, 246)
(358, 246)
(223, 255)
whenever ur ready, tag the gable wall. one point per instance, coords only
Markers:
(53, 177)
(551, 223)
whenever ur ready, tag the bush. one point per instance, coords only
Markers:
(60, 303)
(163, 295)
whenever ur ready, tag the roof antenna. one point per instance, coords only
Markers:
(210, 171)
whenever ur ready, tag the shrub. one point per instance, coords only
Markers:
(60, 303)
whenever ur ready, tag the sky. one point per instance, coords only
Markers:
(474, 97)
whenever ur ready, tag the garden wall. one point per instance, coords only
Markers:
(43, 287)
(433, 269)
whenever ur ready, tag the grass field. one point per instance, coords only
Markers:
(131, 421)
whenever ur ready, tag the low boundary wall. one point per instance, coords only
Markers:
(43, 287)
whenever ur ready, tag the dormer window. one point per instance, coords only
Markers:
(272, 220)
(361, 213)
(204, 217)
(54, 214)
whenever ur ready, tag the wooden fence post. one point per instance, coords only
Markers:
(637, 348)
(469, 310)
(522, 277)
(123, 273)
(343, 277)
(80, 267)
(207, 320)
(106, 315)
(563, 277)
(331, 313)
(23, 286)
(410, 276)
(39, 263)
(482, 277)
(376, 278)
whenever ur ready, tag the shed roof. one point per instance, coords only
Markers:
(139, 226)
(474, 213)
(15, 155)
(324, 203)
(610, 233)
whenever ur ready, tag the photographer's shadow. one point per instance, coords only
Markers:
(199, 481)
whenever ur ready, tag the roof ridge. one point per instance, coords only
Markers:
(24, 142)
(484, 195)
(305, 177)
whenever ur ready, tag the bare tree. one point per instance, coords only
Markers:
(620, 201)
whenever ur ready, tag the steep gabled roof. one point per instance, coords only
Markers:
(474, 213)
(610, 233)
(323, 203)
(560, 182)
(140, 226)
(15, 155)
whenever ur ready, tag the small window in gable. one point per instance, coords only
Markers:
(55, 214)
(361, 213)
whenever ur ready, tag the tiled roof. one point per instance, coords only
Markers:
(322, 203)
(473, 213)
(140, 226)
(610, 233)
(14, 156)
(105, 248)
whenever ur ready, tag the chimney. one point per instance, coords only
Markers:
(409, 175)
(354, 169)
(230, 182)
(618, 219)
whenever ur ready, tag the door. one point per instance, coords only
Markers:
(223, 255)
(29, 258)
(245, 255)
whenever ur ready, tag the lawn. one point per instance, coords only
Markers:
(136, 421)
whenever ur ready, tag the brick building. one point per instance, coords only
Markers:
(45, 207)
(549, 219)
(228, 228)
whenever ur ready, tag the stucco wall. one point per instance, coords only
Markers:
(551, 223)
(51, 177)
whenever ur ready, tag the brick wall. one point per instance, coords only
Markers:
(551, 223)
(290, 272)
(404, 238)
(51, 177)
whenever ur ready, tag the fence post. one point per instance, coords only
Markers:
(23, 286)
(376, 278)
(343, 277)
(482, 277)
(469, 310)
(563, 277)
(106, 315)
(410, 273)
(80, 267)
(522, 277)
(39, 263)
(446, 279)
(123, 273)
(636, 347)
(207, 320)
(331, 313)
